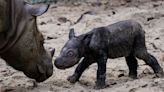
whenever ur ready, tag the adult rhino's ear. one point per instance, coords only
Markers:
(71, 33)
(36, 10)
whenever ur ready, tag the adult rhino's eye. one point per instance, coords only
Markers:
(70, 53)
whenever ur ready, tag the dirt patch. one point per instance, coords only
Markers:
(55, 25)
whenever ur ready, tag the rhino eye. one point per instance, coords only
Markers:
(70, 53)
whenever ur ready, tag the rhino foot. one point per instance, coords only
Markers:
(133, 76)
(160, 74)
(73, 78)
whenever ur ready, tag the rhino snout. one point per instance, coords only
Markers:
(58, 63)
(63, 63)
(44, 72)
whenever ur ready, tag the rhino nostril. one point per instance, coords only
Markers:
(40, 69)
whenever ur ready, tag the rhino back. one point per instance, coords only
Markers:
(116, 39)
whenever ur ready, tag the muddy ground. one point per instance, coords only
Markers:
(55, 25)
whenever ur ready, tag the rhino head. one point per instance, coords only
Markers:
(70, 53)
(21, 44)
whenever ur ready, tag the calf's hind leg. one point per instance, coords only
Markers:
(132, 64)
(140, 52)
(151, 61)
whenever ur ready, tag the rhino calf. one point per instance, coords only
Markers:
(121, 39)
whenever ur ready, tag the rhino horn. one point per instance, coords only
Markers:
(36, 10)
(52, 52)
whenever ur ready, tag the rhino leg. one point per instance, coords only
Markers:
(85, 63)
(132, 64)
(101, 71)
(140, 51)
(151, 61)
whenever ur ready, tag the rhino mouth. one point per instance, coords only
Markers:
(40, 79)
(43, 73)
(65, 65)
(39, 74)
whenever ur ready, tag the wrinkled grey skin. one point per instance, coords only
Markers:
(121, 39)
(21, 44)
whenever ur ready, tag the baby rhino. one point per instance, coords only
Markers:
(121, 39)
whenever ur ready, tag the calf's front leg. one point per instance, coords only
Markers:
(85, 63)
(101, 72)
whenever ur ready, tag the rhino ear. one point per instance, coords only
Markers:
(71, 33)
(36, 10)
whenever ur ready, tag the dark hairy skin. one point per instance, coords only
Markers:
(121, 39)
(21, 44)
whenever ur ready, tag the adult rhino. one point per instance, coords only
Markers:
(21, 44)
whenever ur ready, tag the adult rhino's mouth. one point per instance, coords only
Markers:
(40, 74)
(44, 73)
(41, 78)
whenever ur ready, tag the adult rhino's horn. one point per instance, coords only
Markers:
(52, 52)
(36, 10)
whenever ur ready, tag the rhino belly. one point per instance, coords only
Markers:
(119, 50)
